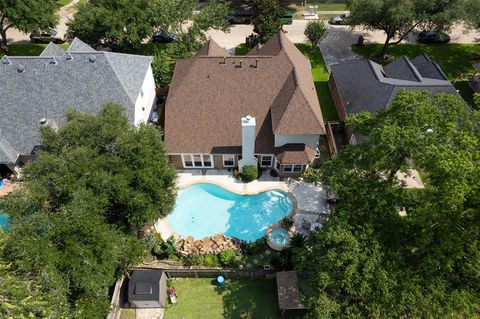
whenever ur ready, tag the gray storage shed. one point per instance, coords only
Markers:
(147, 288)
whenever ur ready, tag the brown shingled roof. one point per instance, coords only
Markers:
(209, 94)
(212, 48)
(288, 291)
(295, 154)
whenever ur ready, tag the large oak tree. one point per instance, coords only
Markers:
(26, 16)
(370, 262)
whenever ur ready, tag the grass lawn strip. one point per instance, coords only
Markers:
(239, 298)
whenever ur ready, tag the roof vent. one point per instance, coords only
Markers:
(6, 60)
(248, 117)
(92, 58)
(20, 68)
(43, 121)
(256, 63)
(69, 56)
(224, 61)
(53, 61)
(240, 65)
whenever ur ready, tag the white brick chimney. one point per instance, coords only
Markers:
(248, 142)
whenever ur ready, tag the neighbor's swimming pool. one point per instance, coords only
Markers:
(206, 209)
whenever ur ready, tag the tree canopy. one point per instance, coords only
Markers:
(26, 16)
(370, 262)
(396, 18)
(126, 167)
(92, 179)
(123, 25)
(266, 18)
(316, 31)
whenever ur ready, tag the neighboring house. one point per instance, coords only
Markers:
(148, 289)
(364, 85)
(39, 90)
(226, 111)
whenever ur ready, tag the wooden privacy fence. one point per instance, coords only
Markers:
(215, 272)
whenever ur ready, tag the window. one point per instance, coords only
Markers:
(277, 165)
(207, 160)
(293, 168)
(266, 160)
(197, 160)
(228, 160)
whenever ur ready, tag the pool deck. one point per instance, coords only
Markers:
(310, 200)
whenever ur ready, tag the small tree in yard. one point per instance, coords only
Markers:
(26, 16)
(266, 18)
(397, 18)
(162, 70)
(316, 31)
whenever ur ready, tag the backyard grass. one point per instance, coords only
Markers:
(454, 59)
(246, 298)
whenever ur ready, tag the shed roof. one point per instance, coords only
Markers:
(144, 285)
(288, 291)
(295, 154)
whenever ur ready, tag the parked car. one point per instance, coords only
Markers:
(240, 16)
(287, 18)
(341, 19)
(433, 36)
(164, 37)
(46, 36)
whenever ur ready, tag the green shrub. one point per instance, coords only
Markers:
(228, 257)
(311, 175)
(211, 260)
(193, 260)
(149, 241)
(169, 282)
(249, 173)
(298, 241)
(171, 247)
(287, 222)
(256, 247)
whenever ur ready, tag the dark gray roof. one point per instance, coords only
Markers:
(367, 86)
(50, 85)
(145, 285)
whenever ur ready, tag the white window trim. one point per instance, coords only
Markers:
(266, 155)
(193, 162)
(223, 160)
(303, 167)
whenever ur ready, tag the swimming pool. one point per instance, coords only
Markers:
(206, 209)
(4, 222)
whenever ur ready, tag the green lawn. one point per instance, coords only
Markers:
(454, 59)
(320, 77)
(28, 49)
(246, 298)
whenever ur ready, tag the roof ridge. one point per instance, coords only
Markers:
(413, 69)
(119, 80)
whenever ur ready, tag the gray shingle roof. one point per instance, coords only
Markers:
(52, 50)
(49, 86)
(78, 45)
(367, 86)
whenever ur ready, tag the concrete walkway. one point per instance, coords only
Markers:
(149, 313)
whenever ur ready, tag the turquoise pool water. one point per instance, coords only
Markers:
(207, 209)
(279, 236)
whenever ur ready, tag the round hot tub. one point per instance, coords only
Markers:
(278, 238)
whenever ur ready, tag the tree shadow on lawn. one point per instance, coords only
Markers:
(250, 299)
